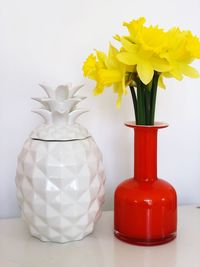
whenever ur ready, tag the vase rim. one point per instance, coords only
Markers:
(157, 125)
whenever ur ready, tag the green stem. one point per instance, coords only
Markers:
(141, 103)
(153, 97)
(147, 104)
(145, 100)
(134, 98)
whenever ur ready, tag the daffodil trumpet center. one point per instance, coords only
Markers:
(144, 100)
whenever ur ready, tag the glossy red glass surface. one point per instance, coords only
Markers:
(145, 211)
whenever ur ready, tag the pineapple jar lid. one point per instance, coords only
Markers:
(59, 111)
(60, 133)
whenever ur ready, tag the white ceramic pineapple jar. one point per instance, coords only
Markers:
(60, 176)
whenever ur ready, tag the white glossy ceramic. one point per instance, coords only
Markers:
(60, 182)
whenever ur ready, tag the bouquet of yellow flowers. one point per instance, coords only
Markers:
(146, 56)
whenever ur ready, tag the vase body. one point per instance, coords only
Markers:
(145, 206)
(60, 188)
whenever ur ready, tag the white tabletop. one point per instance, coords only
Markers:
(101, 249)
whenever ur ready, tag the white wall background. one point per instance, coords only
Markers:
(47, 41)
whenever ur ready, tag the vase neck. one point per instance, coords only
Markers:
(145, 154)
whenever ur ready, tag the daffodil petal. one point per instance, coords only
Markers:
(127, 58)
(190, 71)
(159, 64)
(89, 67)
(128, 46)
(112, 61)
(98, 89)
(161, 82)
(167, 75)
(118, 88)
(134, 26)
(117, 37)
(101, 56)
(176, 73)
(119, 100)
(106, 76)
(124, 85)
(145, 72)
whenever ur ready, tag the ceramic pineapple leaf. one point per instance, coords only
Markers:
(45, 114)
(62, 100)
(74, 90)
(75, 114)
(48, 90)
(59, 111)
(42, 101)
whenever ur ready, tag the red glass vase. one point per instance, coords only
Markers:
(145, 211)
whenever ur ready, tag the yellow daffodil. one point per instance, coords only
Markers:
(106, 71)
(147, 55)
(146, 62)
(193, 45)
(91, 68)
(134, 27)
(150, 38)
(179, 55)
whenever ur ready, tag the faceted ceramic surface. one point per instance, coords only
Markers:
(60, 188)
